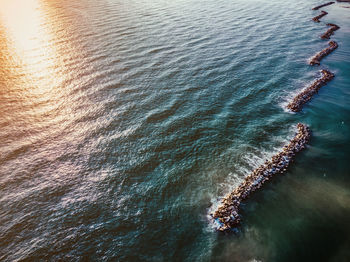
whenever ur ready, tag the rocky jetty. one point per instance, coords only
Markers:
(320, 6)
(306, 95)
(315, 60)
(317, 18)
(330, 31)
(227, 215)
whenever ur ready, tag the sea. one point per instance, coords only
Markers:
(123, 123)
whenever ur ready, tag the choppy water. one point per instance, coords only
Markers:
(122, 123)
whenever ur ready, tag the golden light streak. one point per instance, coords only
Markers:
(30, 44)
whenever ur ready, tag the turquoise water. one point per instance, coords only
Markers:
(123, 124)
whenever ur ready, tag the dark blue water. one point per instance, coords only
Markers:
(123, 124)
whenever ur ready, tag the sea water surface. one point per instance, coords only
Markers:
(124, 122)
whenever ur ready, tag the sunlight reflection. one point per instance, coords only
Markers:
(30, 44)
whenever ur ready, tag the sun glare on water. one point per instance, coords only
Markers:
(22, 21)
(30, 49)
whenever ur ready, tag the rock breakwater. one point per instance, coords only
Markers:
(306, 95)
(317, 18)
(316, 60)
(330, 31)
(227, 215)
(320, 6)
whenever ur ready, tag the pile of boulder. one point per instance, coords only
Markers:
(306, 95)
(316, 60)
(317, 18)
(320, 6)
(227, 215)
(330, 31)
